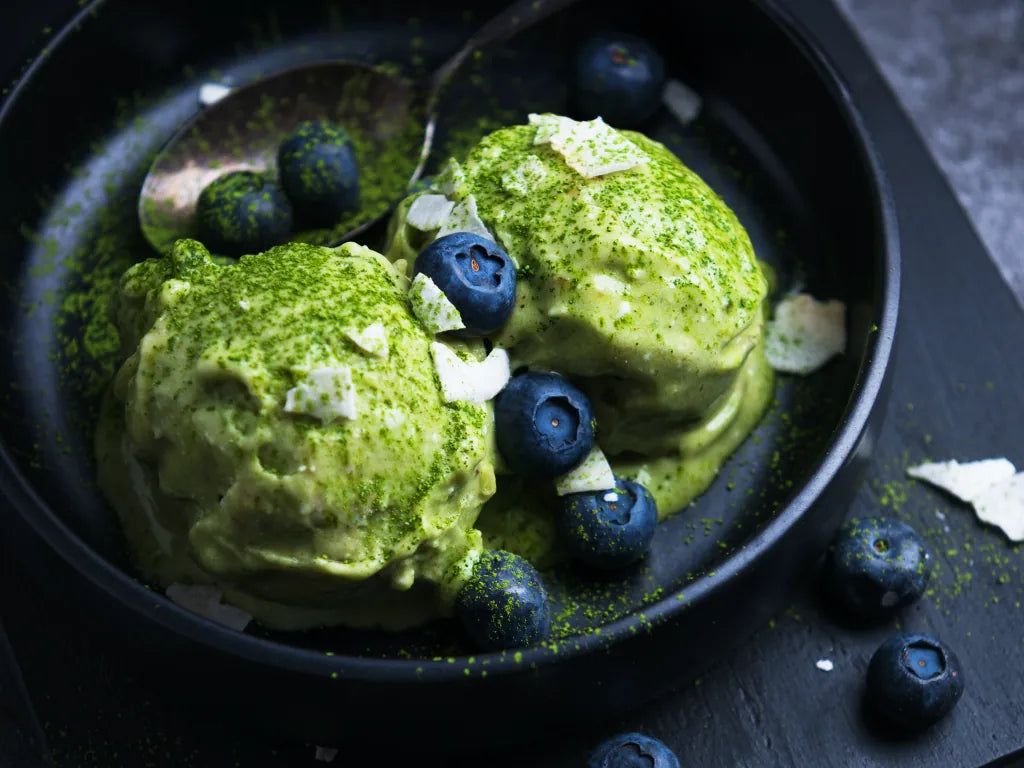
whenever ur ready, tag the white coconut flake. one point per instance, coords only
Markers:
(211, 93)
(326, 394)
(591, 148)
(205, 600)
(965, 481)
(682, 101)
(465, 218)
(326, 754)
(593, 474)
(825, 665)
(432, 307)
(373, 339)
(525, 177)
(449, 179)
(1002, 504)
(472, 380)
(428, 212)
(805, 333)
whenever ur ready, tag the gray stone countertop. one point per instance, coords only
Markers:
(957, 66)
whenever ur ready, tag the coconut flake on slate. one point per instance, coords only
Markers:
(593, 474)
(825, 665)
(965, 481)
(211, 93)
(805, 333)
(472, 380)
(682, 101)
(465, 218)
(591, 148)
(428, 212)
(205, 600)
(373, 339)
(1002, 504)
(432, 307)
(326, 754)
(326, 394)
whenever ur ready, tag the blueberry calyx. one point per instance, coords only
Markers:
(608, 529)
(475, 275)
(544, 425)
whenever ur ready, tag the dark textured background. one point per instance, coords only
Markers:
(957, 67)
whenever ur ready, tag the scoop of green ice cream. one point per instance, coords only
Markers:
(278, 427)
(640, 284)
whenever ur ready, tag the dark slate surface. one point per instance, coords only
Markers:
(956, 394)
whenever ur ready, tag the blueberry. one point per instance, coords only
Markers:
(318, 170)
(608, 529)
(242, 212)
(544, 425)
(632, 750)
(619, 77)
(476, 275)
(914, 680)
(878, 565)
(504, 605)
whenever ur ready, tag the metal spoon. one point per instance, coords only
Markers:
(391, 116)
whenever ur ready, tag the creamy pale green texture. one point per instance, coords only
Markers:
(215, 481)
(640, 285)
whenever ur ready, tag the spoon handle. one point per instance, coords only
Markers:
(511, 21)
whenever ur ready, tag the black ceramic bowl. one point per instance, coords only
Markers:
(778, 138)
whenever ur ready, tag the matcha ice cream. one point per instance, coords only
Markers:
(635, 280)
(278, 429)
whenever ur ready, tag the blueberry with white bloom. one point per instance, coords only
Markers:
(475, 275)
(632, 750)
(878, 565)
(618, 77)
(242, 212)
(504, 604)
(914, 680)
(608, 529)
(318, 169)
(543, 424)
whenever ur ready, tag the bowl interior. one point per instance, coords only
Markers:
(770, 140)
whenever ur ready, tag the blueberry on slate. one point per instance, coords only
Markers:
(619, 77)
(632, 750)
(914, 680)
(318, 170)
(878, 565)
(608, 529)
(242, 212)
(544, 425)
(504, 604)
(476, 275)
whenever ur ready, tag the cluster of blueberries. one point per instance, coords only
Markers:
(544, 427)
(875, 567)
(247, 212)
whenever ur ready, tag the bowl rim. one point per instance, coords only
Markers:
(154, 607)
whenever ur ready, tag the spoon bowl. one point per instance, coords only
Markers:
(390, 118)
(382, 112)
